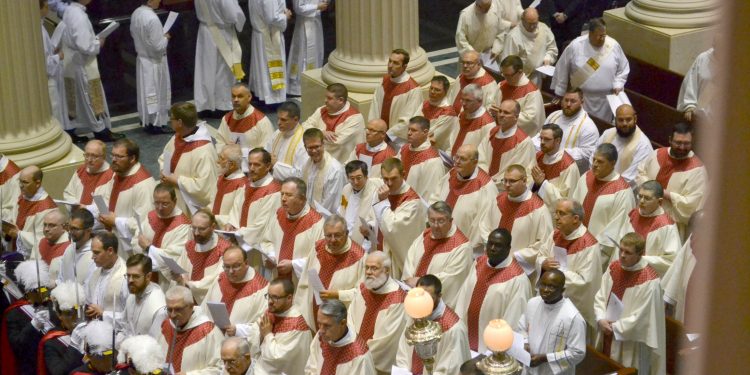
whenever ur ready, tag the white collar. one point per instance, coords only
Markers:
(438, 311)
(478, 113)
(38, 196)
(342, 110)
(377, 148)
(290, 133)
(658, 211)
(689, 155)
(505, 263)
(610, 177)
(580, 113)
(528, 34)
(502, 135)
(473, 175)
(103, 168)
(4, 160)
(576, 233)
(344, 340)
(208, 246)
(404, 187)
(425, 145)
(202, 134)
(176, 211)
(553, 306)
(636, 267)
(553, 158)
(86, 247)
(450, 234)
(263, 181)
(442, 103)
(479, 73)
(301, 213)
(235, 175)
(249, 111)
(521, 198)
(400, 79)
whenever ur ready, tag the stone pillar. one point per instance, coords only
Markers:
(29, 134)
(677, 14)
(366, 33)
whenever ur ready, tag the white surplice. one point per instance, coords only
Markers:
(306, 52)
(579, 136)
(151, 68)
(268, 23)
(631, 151)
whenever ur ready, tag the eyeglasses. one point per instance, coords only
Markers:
(335, 236)
(374, 131)
(440, 221)
(508, 181)
(469, 63)
(118, 157)
(274, 298)
(92, 156)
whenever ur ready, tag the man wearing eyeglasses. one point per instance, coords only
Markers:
(375, 149)
(442, 250)
(235, 353)
(517, 86)
(52, 247)
(76, 262)
(339, 264)
(92, 177)
(324, 174)
(472, 72)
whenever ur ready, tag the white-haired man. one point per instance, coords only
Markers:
(474, 121)
(231, 183)
(472, 72)
(235, 353)
(92, 177)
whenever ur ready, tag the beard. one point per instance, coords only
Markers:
(625, 134)
(372, 283)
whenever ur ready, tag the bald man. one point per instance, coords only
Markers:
(29, 212)
(375, 149)
(633, 146)
(235, 353)
(52, 247)
(472, 72)
(92, 177)
(533, 42)
(245, 125)
(483, 25)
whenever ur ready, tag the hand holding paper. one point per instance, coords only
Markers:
(219, 314)
(316, 284)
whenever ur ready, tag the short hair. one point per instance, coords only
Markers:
(557, 132)
(402, 52)
(131, 148)
(385, 259)
(516, 106)
(240, 84)
(597, 24)
(290, 107)
(474, 90)
(356, 165)
(391, 163)
(636, 240)
(237, 248)
(85, 216)
(504, 233)
(108, 239)
(654, 187)
(164, 187)
(285, 283)
(140, 260)
(243, 346)
(557, 272)
(335, 219)
(442, 79)
(185, 112)
(442, 207)
(333, 308)
(608, 150)
(233, 153)
(682, 128)
(512, 61)
(574, 90)
(180, 292)
(299, 183)
(433, 281)
(312, 133)
(338, 90)
(576, 208)
(424, 123)
(260, 150)
(518, 168)
(208, 214)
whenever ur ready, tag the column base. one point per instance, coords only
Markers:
(57, 174)
(667, 48)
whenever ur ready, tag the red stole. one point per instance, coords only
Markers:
(91, 181)
(459, 188)
(502, 145)
(576, 245)
(252, 194)
(446, 321)
(510, 211)
(644, 225)
(434, 246)
(467, 125)
(669, 165)
(182, 146)
(183, 340)
(332, 122)
(282, 324)
(411, 158)
(244, 124)
(377, 157)
(41, 365)
(396, 200)
(231, 292)
(552, 171)
(374, 304)
(432, 112)
(292, 228)
(161, 226)
(516, 92)
(390, 91)
(225, 186)
(481, 81)
(330, 263)
(486, 276)
(28, 208)
(124, 183)
(596, 188)
(8, 366)
(336, 355)
(204, 259)
(49, 252)
(11, 169)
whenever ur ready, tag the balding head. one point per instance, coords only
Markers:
(470, 63)
(530, 20)
(30, 180)
(483, 6)
(375, 132)
(466, 160)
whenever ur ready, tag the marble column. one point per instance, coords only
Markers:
(366, 33)
(677, 14)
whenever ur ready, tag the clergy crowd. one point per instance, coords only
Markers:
(289, 248)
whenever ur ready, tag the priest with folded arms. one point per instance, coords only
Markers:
(604, 194)
(76, 263)
(506, 143)
(518, 87)
(554, 328)
(442, 250)
(106, 289)
(472, 72)
(574, 251)
(633, 146)
(357, 199)
(341, 123)
(475, 121)
(245, 125)
(92, 177)
(285, 145)
(523, 214)
(439, 110)
(324, 174)
(377, 311)
(241, 289)
(453, 347)
(397, 98)
(496, 288)
(375, 149)
(467, 189)
(28, 211)
(231, 183)
(400, 215)
(54, 243)
(191, 340)
(189, 159)
(145, 307)
(423, 166)
(555, 173)
(636, 336)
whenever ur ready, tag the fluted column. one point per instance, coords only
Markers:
(366, 32)
(29, 134)
(678, 14)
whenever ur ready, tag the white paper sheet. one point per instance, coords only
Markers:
(138, 222)
(528, 269)
(614, 308)
(173, 266)
(321, 210)
(547, 70)
(166, 166)
(399, 371)
(56, 37)
(169, 22)
(100, 204)
(219, 313)
(535, 4)
(69, 203)
(518, 352)
(617, 100)
(447, 159)
(489, 63)
(693, 336)
(367, 159)
(108, 30)
(316, 284)
(561, 256)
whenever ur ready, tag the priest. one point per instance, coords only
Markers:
(482, 28)
(633, 146)
(472, 72)
(555, 173)
(54, 243)
(423, 165)
(341, 123)
(145, 307)
(438, 109)
(518, 87)
(244, 125)
(377, 311)
(442, 250)
(231, 183)
(9, 189)
(28, 212)
(324, 174)
(306, 52)
(106, 289)
(357, 199)
(375, 149)
(92, 177)
(699, 91)
(285, 145)
(397, 98)
(76, 263)
(474, 121)
(235, 353)
(268, 79)
(534, 43)
(496, 288)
